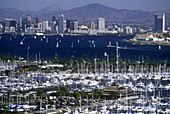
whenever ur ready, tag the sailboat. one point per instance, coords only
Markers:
(94, 45)
(47, 40)
(21, 43)
(44, 37)
(125, 47)
(72, 45)
(62, 35)
(159, 47)
(57, 45)
(110, 44)
(90, 43)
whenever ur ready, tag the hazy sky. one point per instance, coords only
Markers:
(148, 5)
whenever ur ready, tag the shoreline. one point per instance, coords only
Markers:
(146, 42)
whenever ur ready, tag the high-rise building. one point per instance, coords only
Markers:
(101, 24)
(8, 22)
(36, 21)
(61, 23)
(53, 23)
(13, 23)
(92, 25)
(160, 23)
(44, 26)
(29, 20)
(73, 25)
(24, 24)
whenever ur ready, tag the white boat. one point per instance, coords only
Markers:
(57, 45)
(35, 37)
(110, 45)
(21, 43)
(94, 45)
(44, 36)
(159, 47)
(41, 39)
(61, 35)
(72, 45)
(47, 40)
(78, 41)
(125, 47)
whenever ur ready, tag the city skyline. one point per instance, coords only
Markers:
(32, 5)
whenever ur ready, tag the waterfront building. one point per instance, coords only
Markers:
(1, 27)
(92, 25)
(8, 22)
(160, 23)
(72, 25)
(61, 23)
(44, 26)
(12, 29)
(30, 30)
(128, 30)
(101, 24)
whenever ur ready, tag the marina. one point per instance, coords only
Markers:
(96, 86)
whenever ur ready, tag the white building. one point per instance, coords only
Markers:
(44, 26)
(1, 27)
(128, 30)
(30, 30)
(12, 29)
(101, 24)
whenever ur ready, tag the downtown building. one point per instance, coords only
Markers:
(101, 24)
(61, 23)
(159, 23)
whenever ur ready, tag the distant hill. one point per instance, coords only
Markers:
(86, 13)
(94, 11)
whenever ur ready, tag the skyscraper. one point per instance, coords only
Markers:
(160, 23)
(101, 24)
(53, 23)
(44, 26)
(29, 20)
(24, 23)
(61, 23)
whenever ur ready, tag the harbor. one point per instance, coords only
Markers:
(101, 85)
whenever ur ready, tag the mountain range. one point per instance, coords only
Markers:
(89, 12)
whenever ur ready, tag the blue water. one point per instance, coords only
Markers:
(80, 45)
